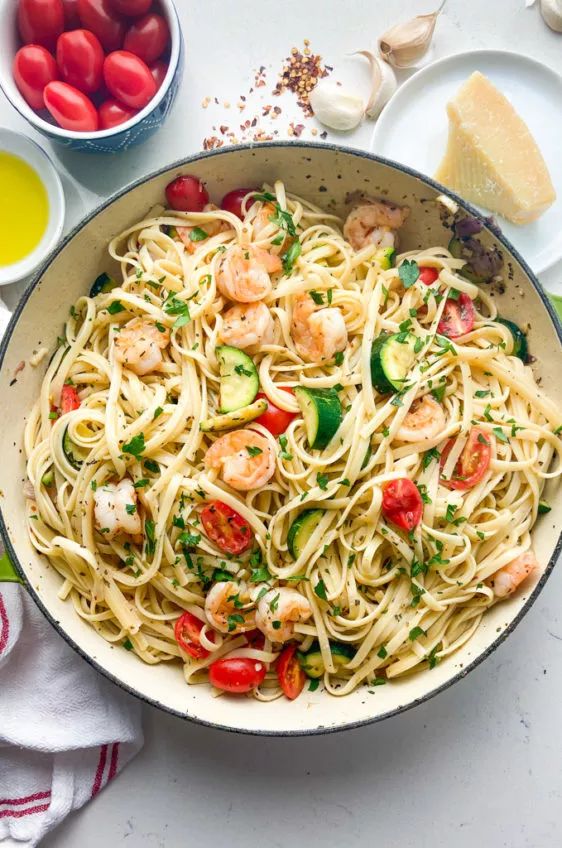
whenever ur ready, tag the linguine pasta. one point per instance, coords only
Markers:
(397, 601)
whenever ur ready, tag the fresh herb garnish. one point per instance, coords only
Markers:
(415, 633)
(115, 307)
(320, 590)
(317, 297)
(150, 539)
(197, 234)
(290, 256)
(408, 272)
(253, 451)
(322, 480)
(136, 446)
(338, 357)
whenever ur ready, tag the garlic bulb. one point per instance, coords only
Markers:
(383, 84)
(551, 10)
(404, 44)
(335, 106)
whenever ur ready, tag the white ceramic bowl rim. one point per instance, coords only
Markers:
(27, 112)
(348, 725)
(31, 153)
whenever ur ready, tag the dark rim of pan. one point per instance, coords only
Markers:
(303, 147)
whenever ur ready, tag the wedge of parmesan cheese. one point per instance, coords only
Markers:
(491, 158)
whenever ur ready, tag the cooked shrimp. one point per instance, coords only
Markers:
(139, 345)
(425, 420)
(244, 458)
(226, 608)
(376, 223)
(211, 228)
(505, 581)
(317, 333)
(243, 273)
(263, 225)
(115, 509)
(278, 612)
(248, 326)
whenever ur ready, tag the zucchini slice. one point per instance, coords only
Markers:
(104, 283)
(73, 452)
(544, 507)
(520, 347)
(48, 478)
(239, 378)
(386, 257)
(302, 529)
(313, 665)
(392, 356)
(234, 419)
(322, 413)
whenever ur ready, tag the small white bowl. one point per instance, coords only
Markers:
(19, 145)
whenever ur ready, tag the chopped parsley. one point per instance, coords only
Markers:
(317, 297)
(284, 453)
(408, 272)
(338, 357)
(130, 509)
(450, 513)
(174, 306)
(429, 456)
(93, 485)
(432, 657)
(128, 645)
(500, 435)
(415, 633)
(157, 412)
(439, 393)
(320, 590)
(290, 256)
(322, 480)
(234, 620)
(382, 653)
(151, 465)
(197, 234)
(283, 219)
(253, 451)
(260, 575)
(136, 446)
(150, 539)
(313, 684)
(482, 393)
(239, 369)
(115, 307)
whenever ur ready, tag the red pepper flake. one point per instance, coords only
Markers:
(300, 74)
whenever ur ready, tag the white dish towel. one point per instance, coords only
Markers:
(65, 732)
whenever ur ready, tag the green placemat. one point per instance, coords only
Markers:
(556, 301)
(7, 572)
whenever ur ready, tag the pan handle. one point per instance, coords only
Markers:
(8, 573)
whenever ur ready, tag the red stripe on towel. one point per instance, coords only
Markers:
(99, 771)
(28, 798)
(114, 761)
(18, 814)
(5, 631)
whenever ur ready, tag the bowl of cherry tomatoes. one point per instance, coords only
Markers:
(94, 75)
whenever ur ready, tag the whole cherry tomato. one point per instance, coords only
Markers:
(226, 527)
(457, 317)
(80, 59)
(33, 68)
(473, 462)
(289, 673)
(71, 16)
(99, 17)
(275, 419)
(236, 674)
(186, 630)
(70, 108)
(112, 113)
(158, 70)
(232, 202)
(187, 194)
(148, 37)
(428, 275)
(40, 21)
(128, 79)
(402, 503)
(131, 8)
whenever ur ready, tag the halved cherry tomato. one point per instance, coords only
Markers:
(187, 194)
(99, 17)
(236, 674)
(80, 59)
(428, 275)
(148, 37)
(71, 15)
(255, 639)
(158, 70)
(289, 672)
(69, 399)
(232, 201)
(226, 528)
(40, 21)
(33, 68)
(131, 8)
(274, 419)
(128, 79)
(112, 113)
(70, 108)
(402, 503)
(186, 630)
(473, 462)
(457, 317)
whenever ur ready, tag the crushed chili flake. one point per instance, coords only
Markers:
(300, 74)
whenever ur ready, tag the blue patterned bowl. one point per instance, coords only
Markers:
(126, 135)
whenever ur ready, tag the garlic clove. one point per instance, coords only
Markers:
(383, 83)
(405, 44)
(335, 106)
(551, 10)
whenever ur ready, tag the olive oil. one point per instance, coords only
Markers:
(24, 210)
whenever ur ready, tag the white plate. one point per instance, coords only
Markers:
(413, 130)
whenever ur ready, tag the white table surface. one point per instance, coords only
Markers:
(479, 764)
